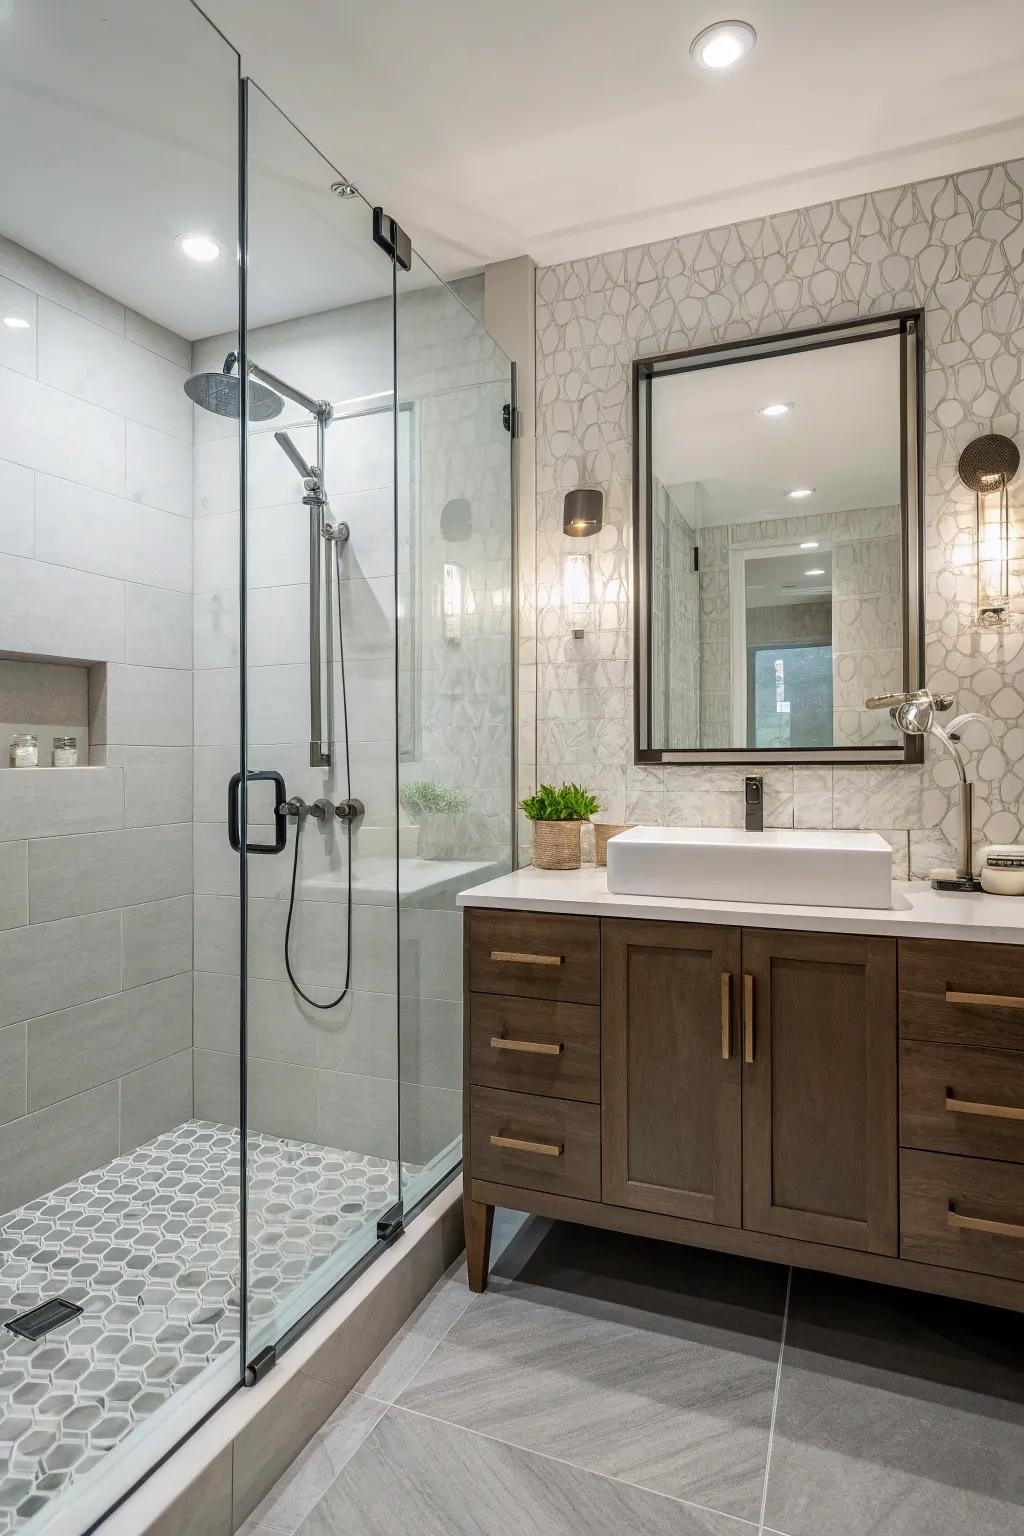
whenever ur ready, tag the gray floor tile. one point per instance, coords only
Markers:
(418, 1477)
(312, 1473)
(651, 1363)
(898, 1414)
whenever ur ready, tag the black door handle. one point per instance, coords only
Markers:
(280, 820)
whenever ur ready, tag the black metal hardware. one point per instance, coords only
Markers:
(391, 1225)
(511, 419)
(48, 1315)
(696, 558)
(260, 1365)
(280, 822)
(392, 238)
(753, 803)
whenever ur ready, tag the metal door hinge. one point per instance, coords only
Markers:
(392, 238)
(696, 558)
(511, 419)
(260, 1365)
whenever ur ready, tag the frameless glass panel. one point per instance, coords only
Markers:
(455, 721)
(119, 1199)
(318, 602)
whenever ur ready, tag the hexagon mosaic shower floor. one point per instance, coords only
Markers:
(148, 1247)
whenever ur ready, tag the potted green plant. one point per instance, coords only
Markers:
(558, 816)
(436, 809)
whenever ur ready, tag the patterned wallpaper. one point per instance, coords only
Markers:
(954, 245)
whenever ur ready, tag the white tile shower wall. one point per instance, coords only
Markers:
(953, 245)
(95, 862)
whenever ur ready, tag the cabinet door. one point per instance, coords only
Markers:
(670, 1079)
(819, 1088)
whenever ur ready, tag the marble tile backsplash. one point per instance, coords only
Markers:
(954, 246)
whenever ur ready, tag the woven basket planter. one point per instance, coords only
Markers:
(603, 830)
(556, 844)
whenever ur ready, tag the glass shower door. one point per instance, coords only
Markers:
(320, 1058)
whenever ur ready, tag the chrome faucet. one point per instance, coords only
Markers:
(753, 803)
(914, 715)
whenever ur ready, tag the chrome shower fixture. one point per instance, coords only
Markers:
(914, 715)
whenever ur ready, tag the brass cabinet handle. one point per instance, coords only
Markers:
(981, 1224)
(984, 999)
(748, 1018)
(515, 957)
(535, 1047)
(991, 1111)
(514, 1144)
(726, 1012)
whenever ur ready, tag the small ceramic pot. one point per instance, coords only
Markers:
(603, 830)
(556, 844)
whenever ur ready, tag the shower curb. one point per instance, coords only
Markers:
(212, 1483)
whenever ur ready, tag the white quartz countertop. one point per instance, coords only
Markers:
(917, 911)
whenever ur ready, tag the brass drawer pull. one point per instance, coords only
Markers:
(991, 1111)
(534, 1047)
(984, 999)
(981, 1224)
(748, 1018)
(726, 1016)
(515, 957)
(542, 1148)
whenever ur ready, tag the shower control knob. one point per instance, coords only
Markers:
(322, 809)
(349, 810)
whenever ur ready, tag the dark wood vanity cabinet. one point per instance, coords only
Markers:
(844, 1102)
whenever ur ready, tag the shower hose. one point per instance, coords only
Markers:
(326, 1007)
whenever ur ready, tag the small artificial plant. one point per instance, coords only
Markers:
(570, 803)
(426, 797)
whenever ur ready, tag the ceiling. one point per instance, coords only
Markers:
(775, 580)
(563, 128)
(559, 128)
(841, 439)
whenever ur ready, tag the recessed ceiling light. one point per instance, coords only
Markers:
(16, 322)
(815, 570)
(809, 544)
(723, 45)
(800, 491)
(198, 247)
(777, 408)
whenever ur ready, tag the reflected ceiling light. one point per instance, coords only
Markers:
(16, 322)
(800, 491)
(198, 247)
(723, 45)
(344, 189)
(777, 408)
(809, 544)
(816, 570)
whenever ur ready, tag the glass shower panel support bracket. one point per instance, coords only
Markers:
(391, 1225)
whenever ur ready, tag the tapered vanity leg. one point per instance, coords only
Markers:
(479, 1219)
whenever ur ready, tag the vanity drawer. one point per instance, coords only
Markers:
(536, 1143)
(532, 1045)
(954, 1099)
(962, 1213)
(962, 994)
(535, 954)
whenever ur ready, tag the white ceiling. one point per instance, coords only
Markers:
(554, 127)
(567, 127)
(772, 581)
(841, 439)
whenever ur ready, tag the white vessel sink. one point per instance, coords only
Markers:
(795, 868)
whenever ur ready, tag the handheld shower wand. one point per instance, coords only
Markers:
(914, 715)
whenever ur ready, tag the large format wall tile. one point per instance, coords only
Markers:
(92, 531)
(44, 1150)
(17, 504)
(142, 707)
(98, 1042)
(31, 983)
(155, 1098)
(48, 610)
(157, 939)
(13, 884)
(40, 802)
(158, 469)
(158, 627)
(157, 785)
(49, 430)
(13, 1072)
(73, 875)
(31, 271)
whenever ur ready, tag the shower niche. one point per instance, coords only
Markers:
(47, 701)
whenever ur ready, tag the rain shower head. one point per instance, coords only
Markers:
(221, 394)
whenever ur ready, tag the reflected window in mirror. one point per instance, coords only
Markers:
(777, 543)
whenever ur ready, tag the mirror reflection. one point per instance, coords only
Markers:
(775, 548)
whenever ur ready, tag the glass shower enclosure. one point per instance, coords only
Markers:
(256, 556)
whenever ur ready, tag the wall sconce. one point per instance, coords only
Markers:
(582, 513)
(453, 603)
(986, 467)
(576, 592)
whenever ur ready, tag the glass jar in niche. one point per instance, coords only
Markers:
(65, 752)
(24, 750)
